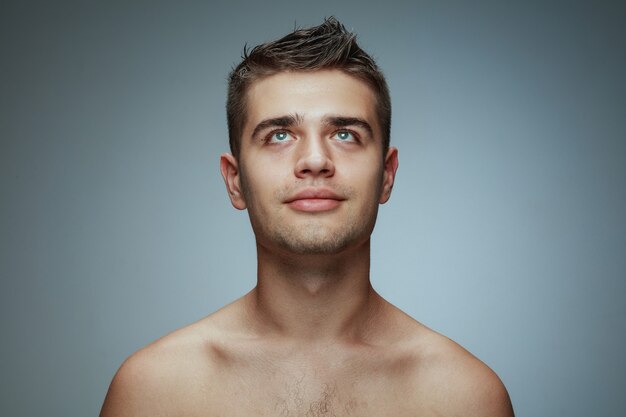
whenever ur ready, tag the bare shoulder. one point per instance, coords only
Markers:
(453, 382)
(153, 380)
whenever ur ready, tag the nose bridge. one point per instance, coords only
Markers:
(314, 155)
(314, 142)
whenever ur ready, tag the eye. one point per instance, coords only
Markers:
(345, 136)
(279, 136)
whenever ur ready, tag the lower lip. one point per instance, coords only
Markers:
(314, 204)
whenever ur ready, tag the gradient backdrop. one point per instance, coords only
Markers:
(506, 230)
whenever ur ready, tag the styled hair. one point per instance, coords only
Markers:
(327, 46)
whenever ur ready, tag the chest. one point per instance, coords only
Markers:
(310, 393)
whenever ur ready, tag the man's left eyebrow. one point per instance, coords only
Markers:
(338, 121)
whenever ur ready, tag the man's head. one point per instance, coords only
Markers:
(327, 46)
(307, 143)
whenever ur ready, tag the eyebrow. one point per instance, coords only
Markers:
(296, 119)
(338, 121)
(281, 121)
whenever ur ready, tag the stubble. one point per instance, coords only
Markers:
(310, 233)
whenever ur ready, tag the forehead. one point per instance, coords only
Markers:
(313, 95)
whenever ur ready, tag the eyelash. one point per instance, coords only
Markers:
(354, 135)
(270, 135)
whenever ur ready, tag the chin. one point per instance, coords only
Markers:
(316, 240)
(315, 247)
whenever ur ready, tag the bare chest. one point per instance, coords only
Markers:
(305, 396)
(305, 393)
(269, 382)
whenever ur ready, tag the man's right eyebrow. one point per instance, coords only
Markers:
(282, 121)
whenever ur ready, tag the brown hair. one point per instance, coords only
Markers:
(327, 46)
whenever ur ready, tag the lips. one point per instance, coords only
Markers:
(314, 200)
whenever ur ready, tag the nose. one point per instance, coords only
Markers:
(314, 159)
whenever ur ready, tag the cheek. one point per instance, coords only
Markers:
(367, 177)
(259, 190)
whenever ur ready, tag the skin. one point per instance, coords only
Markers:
(313, 338)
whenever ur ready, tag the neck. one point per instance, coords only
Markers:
(314, 297)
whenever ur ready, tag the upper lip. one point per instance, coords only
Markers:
(314, 193)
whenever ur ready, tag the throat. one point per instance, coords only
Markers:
(314, 296)
(313, 308)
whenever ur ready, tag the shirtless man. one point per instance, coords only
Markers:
(308, 119)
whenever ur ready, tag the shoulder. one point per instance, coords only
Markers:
(150, 382)
(454, 382)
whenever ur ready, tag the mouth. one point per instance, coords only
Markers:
(314, 200)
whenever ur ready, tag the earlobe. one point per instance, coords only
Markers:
(389, 174)
(229, 166)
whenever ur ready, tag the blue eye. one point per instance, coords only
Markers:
(344, 136)
(280, 136)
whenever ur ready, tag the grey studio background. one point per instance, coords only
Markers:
(506, 230)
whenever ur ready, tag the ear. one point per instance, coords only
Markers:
(230, 172)
(389, 174)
